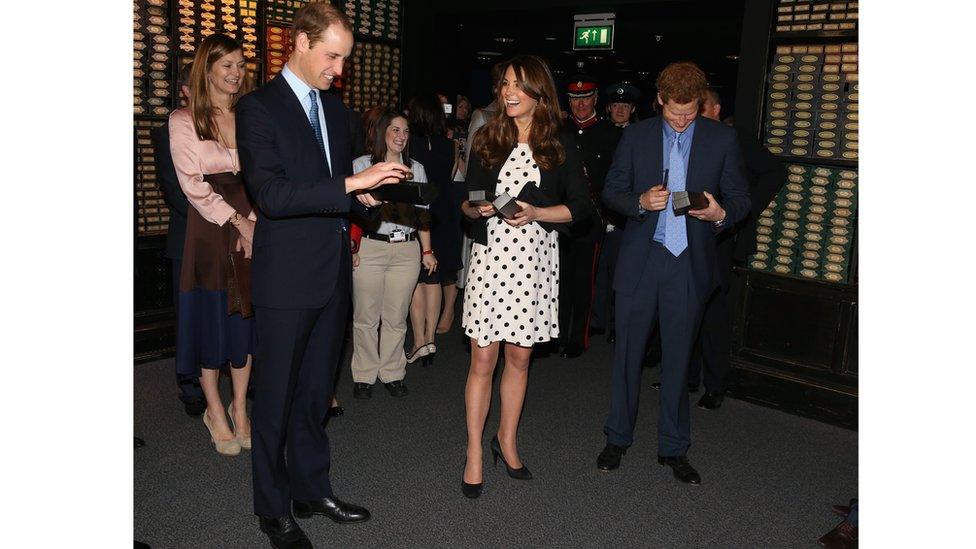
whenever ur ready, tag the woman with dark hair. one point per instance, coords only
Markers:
(513, 275)
(214, 313)
(389, 261)
(436, 152)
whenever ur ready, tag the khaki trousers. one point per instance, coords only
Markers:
(382, 287)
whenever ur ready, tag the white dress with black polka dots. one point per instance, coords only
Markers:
(513, 282)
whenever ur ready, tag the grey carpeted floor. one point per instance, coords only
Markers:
(768, 478)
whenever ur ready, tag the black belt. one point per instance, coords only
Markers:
(386, 237)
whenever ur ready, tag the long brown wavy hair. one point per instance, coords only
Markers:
(210, 51)
(499, 135)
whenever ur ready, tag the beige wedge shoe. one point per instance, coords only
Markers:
(224, 447)
(243, 440)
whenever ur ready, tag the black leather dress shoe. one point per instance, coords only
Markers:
(691, 387)
(339, 511)
(683, 470)
(612, 336)
(609, 458)
(362, 390)
(711, 400)
(396, 388)
(195, 407)
(284, 533)
(571, 351)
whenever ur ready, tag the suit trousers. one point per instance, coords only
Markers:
(382, 287)
(297, 354)
(665, 294)
(577, 266)
(713, 348)
(189, 386)
(603, 296)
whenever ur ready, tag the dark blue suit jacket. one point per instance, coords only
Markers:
(299, 239)
(715, 165)
(172, 193)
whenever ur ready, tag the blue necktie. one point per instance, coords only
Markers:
(313, 116)
(675, 229)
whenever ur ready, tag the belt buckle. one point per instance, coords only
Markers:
(398, 235)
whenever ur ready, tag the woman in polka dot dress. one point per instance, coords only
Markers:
(512, 285)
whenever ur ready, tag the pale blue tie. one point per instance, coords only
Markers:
(675, 228)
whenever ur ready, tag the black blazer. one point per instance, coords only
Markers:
(299, 239)
(564, 185)
(715, 165)
(172, 193)
(766, 175)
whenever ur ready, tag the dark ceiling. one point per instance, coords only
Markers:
(649, 35)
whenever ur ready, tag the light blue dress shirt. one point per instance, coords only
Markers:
(686, 137)
(301, 90)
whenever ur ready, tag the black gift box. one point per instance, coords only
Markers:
(688, 200)
(408, 192)
(480, 198)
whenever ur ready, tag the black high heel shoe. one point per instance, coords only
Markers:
(521, 473)
(428, 360)
(470, 491)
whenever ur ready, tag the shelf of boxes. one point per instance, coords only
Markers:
(152, 88)
(373, 78)
(812, 102)
(152, 214)
(236, 18)
(808, 229)
(806, 16)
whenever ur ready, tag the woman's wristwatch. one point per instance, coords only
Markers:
(427, 252)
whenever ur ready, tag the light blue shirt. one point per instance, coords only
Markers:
(686, 137)
(301, 90)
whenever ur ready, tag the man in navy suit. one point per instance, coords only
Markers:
(667, 266)
(295, 149)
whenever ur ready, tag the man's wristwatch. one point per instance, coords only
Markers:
(236, 219)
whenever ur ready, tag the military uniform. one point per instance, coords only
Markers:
(579, 250)
(602, 317)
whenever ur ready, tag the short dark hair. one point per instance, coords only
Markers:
(712, 95)
(426, 115)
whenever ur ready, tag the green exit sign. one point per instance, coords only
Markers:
(592, 37)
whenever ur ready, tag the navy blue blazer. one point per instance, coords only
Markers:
(172, 193)
(299, 238)
(714, 165)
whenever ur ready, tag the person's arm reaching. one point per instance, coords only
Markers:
(279, 196)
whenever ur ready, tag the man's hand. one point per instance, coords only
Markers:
(368, 200)
(382, 173)
(527, 214)
(714, 212)
(655, 198)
